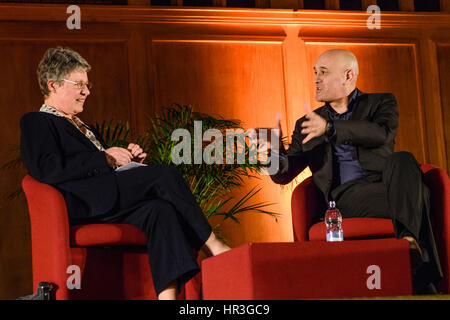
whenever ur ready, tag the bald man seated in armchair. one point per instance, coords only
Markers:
(348, 144)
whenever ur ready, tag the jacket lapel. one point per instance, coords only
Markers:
(70, 129)
(360, 106)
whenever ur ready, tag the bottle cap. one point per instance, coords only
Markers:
(332, 204)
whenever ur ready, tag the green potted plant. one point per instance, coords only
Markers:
(211, 184)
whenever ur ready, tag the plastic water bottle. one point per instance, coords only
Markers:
(333, 221)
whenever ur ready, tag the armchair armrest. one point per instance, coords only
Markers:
(306, 204)
(49, 231)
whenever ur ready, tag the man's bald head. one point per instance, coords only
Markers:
(336, 74)
(343, 59)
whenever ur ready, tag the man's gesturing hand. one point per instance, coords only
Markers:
(272, 135)
(314, 125)
(137, 152)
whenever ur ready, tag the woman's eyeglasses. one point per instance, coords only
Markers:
(80, 84)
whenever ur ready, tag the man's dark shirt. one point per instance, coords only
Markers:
(345, 164)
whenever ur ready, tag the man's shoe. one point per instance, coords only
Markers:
(428, 289)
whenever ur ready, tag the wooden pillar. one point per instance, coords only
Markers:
(406, 5)
(139, 3)
(431, 97)
(445, 6)
(286, 4)
(332, 4)
(262, 4)
(366, 3)
(176, 3)
(219, 3)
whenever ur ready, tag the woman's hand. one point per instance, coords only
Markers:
(119, 156)
(138, 155)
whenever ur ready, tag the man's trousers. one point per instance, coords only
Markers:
(400, 194)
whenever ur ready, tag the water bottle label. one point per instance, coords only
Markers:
(335, 236)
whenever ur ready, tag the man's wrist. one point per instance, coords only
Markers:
(329, 129)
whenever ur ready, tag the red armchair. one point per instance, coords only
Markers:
(304, 205)
(112, 258)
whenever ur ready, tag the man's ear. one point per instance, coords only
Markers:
(349, 75)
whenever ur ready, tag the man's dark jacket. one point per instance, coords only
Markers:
(57, 153)
(371, 130)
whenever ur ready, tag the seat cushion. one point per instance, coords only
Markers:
(106, 234)
(356, 228)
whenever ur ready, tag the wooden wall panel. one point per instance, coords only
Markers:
(109, 76)
(380, 71)
(443, 54)
(232, 86)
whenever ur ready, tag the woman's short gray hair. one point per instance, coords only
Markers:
(56, 64)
